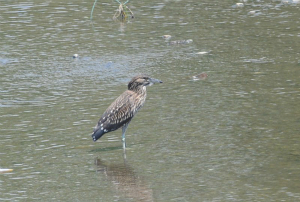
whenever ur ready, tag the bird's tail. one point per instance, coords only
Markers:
(97, 134)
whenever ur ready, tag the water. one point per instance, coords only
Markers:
(233, 136)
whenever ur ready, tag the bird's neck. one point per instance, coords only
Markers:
(140, 97)
(141, 90)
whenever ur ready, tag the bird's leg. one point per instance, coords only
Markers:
(124, 128)
(124, 146)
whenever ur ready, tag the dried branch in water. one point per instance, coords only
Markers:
(121, 14)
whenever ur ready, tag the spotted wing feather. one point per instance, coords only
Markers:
(120, 112)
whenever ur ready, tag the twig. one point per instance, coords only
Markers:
(93, 9)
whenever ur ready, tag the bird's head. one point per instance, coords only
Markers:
(141, 81)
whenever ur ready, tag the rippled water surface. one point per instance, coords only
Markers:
(230, 136)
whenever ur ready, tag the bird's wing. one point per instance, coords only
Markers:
(118, 113)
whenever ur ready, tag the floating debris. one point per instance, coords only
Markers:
(202, 53)
(239, 5)
(166, 37)
(4, 170)
(201, 76)
(252, 12)
(181, 42)
(75, 56)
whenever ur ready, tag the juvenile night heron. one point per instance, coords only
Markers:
(123, 109)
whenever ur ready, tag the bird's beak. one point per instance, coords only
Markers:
(153, 81)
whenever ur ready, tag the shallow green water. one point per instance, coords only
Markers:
(233, 136)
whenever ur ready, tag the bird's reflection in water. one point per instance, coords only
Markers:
(126, 181)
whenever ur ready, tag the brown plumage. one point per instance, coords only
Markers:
(123, 109)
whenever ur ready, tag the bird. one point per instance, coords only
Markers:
(122, 110)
